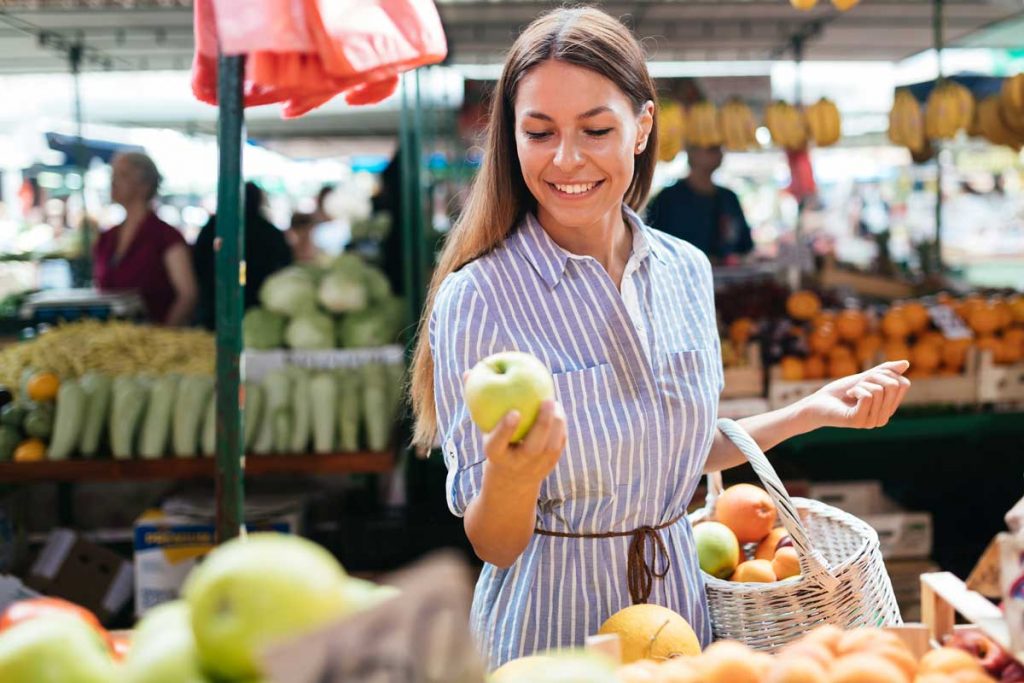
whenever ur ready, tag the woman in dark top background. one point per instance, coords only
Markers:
(704, 214)
(266, 251)
(143, 253)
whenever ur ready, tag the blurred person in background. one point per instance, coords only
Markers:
(143, 253)
(266, 251)
(704, 214)
(300, 238)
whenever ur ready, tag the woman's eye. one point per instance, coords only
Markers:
(600, 132)
(537, 136)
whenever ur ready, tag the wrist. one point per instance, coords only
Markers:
(508, 484)
(802, 417)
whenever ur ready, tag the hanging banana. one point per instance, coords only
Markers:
(702, 126)
(738, 126)
(906, 122)
(823, 121)
(671, 129)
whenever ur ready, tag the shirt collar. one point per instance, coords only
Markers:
(549, 259)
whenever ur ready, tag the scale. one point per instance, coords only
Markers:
(65, 305)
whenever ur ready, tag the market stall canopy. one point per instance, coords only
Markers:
(157, 34)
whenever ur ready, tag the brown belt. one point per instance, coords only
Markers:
(640, 573)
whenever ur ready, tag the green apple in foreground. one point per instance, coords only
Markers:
(717, 548)
(504, 382)
(54, 648)
(253, 592)
(163, 648)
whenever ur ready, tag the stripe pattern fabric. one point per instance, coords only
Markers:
(638, 373)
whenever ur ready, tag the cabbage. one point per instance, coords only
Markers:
(342, 291)
(290, 291)
(375, 326)
(262, 329)
(310, 331)
(377, 285)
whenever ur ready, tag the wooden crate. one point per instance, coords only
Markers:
(748, 380)
(960, 389)
(999, 383)
(864, 284)
(782, 392)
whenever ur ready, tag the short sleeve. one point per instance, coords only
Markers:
(462, 332)
(168, 236)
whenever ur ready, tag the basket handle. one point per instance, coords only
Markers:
(812, 563)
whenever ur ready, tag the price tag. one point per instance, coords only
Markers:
(420, 636)
(949, 323)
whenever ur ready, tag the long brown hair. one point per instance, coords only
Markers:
(498, 199)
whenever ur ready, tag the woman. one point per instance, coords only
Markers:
(143, 253)
(549, 257)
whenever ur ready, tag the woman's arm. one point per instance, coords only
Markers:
(500, 520)
(178, 262)
(863, 401)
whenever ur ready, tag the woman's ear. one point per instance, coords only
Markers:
(644, 124)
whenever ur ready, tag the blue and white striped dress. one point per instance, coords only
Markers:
(638, 372)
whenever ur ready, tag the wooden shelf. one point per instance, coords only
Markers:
(194, 468)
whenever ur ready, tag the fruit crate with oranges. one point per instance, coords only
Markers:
(1000, 383)
(743, 372)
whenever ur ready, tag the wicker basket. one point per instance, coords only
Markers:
(843, 580)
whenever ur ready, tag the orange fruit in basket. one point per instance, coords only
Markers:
(841, 367)
(824, 318)
(823, 338)
(42, 386)
(895, 324)
(988, 343)
(954, 353)
(896, 349)
(947, 660)
(925, 357)
(814, 367)
(740, 331)
(792, 368)
(729, 662)
(754, 571)
(747, 510)
(1005, 313)
(867, 348)
(796, 669)
(1014, 335)
(770, 543)
(865, 668)
(1008, 353)
(841, 351)
(916, 315)
(803, 305)
(786, 563)
(851, 325)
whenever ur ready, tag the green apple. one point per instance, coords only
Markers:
(717, 548)
(569, 666)
(504, 382)
(360, 594)
(163, 648)
(54, 648)
(252, 592)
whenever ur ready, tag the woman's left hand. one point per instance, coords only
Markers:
(863, 401)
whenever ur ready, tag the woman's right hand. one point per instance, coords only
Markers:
(530, 461)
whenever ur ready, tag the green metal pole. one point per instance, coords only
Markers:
(937, 28)
(230, 284)
(420, 206)
(82, 274)
(408, 180)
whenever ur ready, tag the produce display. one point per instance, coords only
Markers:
(240, 599)
(346, 305)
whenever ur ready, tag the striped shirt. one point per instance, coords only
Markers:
(638, 372)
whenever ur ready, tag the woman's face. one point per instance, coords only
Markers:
(577, 135)
(126, 184)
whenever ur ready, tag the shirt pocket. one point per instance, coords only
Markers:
(593, 405)
(690, 383)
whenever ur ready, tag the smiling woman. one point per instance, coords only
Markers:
(550, 258)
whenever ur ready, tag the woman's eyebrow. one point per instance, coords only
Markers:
(590, 113)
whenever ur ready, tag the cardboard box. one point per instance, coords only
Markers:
(906, 585)
(169, 545)
(90, 575)
(856, 497)
(903, 535)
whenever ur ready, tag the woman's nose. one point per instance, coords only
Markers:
(567, 155)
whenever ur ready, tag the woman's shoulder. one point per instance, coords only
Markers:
(679, 252)
(164, 233)
(478, 276)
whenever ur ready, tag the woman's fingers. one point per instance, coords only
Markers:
(536, 439)
(877, 399)
(496, 441)
(890, 400)
(864, 400)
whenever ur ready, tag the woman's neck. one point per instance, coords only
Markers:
(609, 242)
(135, 213)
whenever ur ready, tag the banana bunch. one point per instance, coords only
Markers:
(738, 126)
(112, 348)
(786, 124)
(671, 129)
(1011, 109)
(823, 122)
(950, 109)
(1000, 125)
(703, 129)
(906, 122)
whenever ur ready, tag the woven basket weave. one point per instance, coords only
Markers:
(843, 580)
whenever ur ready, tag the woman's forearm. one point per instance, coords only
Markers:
(500, 520)
(181, 310)
(768, 430)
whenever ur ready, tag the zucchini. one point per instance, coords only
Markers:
(350, 408)
(376, 406)
(188, 414)
(323, 394)
(128, 404)
(156, 426)
(67, 424)
(253, 413)
(98, 389)
(300, 408)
